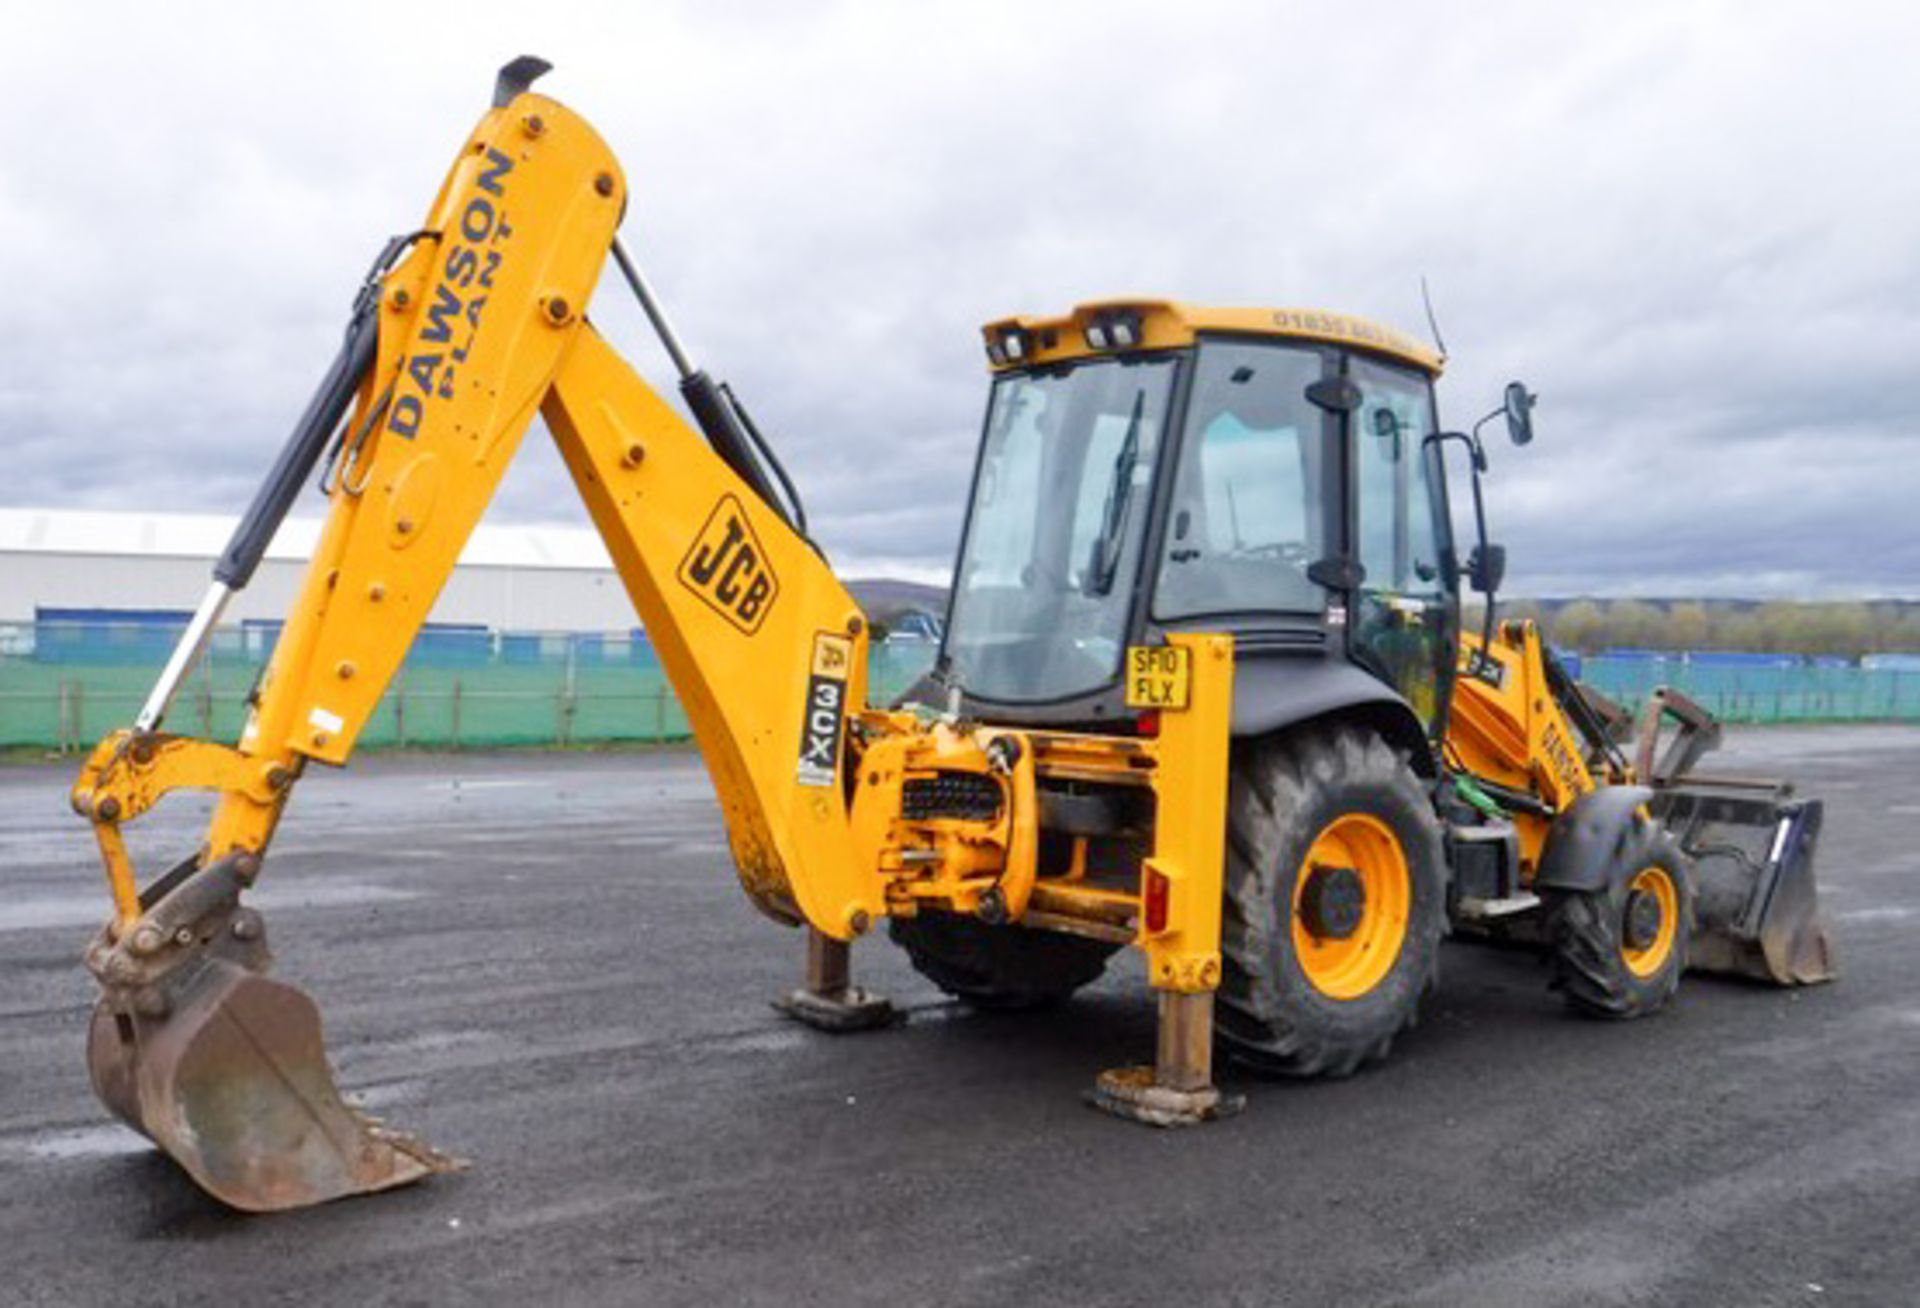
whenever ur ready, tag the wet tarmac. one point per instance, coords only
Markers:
(543, 963)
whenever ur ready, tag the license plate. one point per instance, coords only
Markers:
(1158, 677)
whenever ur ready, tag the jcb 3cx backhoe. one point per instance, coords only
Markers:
(1203, 691)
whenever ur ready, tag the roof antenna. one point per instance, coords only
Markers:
(1433, 323)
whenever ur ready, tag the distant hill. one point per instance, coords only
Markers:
(884, 598)
(1552, 604)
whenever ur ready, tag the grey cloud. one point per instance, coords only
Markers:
(1691, 228)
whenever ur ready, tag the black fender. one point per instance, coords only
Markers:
(1583, 845)
(1273, 694)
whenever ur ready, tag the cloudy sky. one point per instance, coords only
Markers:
(1694, 229)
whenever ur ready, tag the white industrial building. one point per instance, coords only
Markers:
(90, 565)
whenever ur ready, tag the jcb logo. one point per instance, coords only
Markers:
(727, 568)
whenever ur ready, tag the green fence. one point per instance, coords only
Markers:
(63, 686)
(1795, 691)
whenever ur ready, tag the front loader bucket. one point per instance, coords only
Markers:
(1756, 913)
(224, 1068)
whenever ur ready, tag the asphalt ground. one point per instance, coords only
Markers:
(543, 963)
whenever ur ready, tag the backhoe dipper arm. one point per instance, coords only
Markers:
(480, 325)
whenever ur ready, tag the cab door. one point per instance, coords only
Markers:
(1403, 628)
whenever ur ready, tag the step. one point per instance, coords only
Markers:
(1481, 909)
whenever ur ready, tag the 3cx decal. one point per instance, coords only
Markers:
(459, 298)
(1490, 670)
(729, 570)
(825, 709)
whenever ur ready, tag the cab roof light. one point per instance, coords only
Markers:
(1115, 330)
(1009, 344)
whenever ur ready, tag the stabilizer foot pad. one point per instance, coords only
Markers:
(1132, 1093)
(852, 1009)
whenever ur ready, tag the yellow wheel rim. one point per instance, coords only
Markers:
(1348, 963)
(1655, 883)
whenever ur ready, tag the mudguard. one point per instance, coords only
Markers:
(1583, 847)
(1271, 694)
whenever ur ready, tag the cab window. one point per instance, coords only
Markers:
(1398, 545)
(1246, 515)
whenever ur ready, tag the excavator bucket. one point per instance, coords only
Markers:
(1756, 913)
(1756, 910)
(223, 1067)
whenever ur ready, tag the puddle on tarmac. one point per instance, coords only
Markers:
(484, 783)
(1884, 913)
(385, 1096)
(85, 1142)
(762, 1042)
(39, 913)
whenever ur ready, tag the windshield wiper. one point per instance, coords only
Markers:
(1113, 520)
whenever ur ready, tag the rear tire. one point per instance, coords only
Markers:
(1296, 998)
(1595, 964)
(1002, 968)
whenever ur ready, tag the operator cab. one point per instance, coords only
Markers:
(1150, 467)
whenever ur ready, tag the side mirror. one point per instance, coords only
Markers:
(1519, 407)
(1487, 568)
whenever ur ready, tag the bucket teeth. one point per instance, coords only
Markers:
(405, 1142)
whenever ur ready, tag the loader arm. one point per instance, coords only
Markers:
(1529, 737)
(1509, 730)
(479, 326)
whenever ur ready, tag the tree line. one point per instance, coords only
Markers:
(1844, 628)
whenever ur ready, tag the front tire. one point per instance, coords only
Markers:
(1335, 902)
(1619, 952)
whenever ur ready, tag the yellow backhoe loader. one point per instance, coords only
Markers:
(1203, 691)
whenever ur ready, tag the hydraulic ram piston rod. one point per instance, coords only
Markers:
(185, 654)
(719, 415)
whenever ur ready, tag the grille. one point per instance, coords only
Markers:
(972, 796)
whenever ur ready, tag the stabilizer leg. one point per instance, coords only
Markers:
(829, 1001)
(1178, 1089)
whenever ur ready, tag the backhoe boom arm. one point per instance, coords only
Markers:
(479, 327)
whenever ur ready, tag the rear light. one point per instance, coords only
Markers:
(1159, 889)
(1148, 722)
